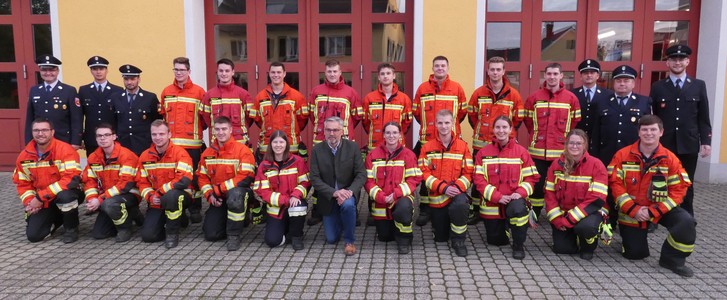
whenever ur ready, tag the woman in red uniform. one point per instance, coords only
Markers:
(282, 182)
(505, 175)
(393, 174)
(575, 194)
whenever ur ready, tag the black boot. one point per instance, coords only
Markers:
(315, 216)
(518, 252)
(171, 241)
(403, 245)
(233, 242)
(124, 235)
(474, 216)
(459, 248)
(297, 242)
(195, 211)
(71, 235)
(423, 217)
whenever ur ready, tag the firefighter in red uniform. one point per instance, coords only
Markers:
(575, 198)
(283, 182)
(550, 113)
(495, 98)
(447, 168)
(47, 175)
(227, 99)
(438, 93)
(382, 106)
(333, 98)
(504, 176)
(649, 183)
(108, 181)
(226, 172)
(181, 106)
(393, 176)
(164, 177)
(280, 107)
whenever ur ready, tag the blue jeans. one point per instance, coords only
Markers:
(341, 219)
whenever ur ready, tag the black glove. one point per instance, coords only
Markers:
(183, 183)
(75, 182)
(246, 182)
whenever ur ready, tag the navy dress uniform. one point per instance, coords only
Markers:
(96, 104)
(615, 123)
(135, 111)
(587, 99)
(58, 103)
(685, 111)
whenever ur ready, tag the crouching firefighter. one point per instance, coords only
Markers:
(649, 182)
(108, 182)
(47, 175)
(226, 172)
(164, 175)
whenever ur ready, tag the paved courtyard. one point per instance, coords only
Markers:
(102, 269)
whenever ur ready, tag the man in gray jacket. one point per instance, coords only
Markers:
(337, 173)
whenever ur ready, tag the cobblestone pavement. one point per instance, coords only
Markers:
(102, 269)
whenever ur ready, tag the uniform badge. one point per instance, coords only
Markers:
(64, 106)
(143, 117)
(55, 106)
(663, 105)
(633, 119)
(78, 103)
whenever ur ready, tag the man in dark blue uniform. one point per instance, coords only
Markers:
(55, 101)
(616, 122)
(96, 101)
(589, 94)
(135, 109)
(681, 101)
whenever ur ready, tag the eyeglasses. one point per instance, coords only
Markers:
(44, 130)
(332, 130)
(179, 70)
(105, 135)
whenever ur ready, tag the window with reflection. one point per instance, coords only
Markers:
(616, 5)
(42, 40)
(5, 8)
(231, 42)
(240, 79)
(399, 80)
(558, 41)
(229, 7)
(388, 42)
(334, 42)
(9, 90)
(673, 5)
(667, 34)
(7, 43)
(282, 43)
(614, 41)
(504, 5)
(388, 6)
(281, 7)
(514, 78)
(568, 79)
(346, 77)
(656, 76)
(39, 7)
(560, 5)
(503, 39)
(334, 6)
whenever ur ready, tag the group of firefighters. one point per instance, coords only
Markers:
(569, 165)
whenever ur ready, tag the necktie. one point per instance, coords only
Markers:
(679, 85)
(588, 95)
(47, 88)
(99, 88)
(131, 98)
(622, 100)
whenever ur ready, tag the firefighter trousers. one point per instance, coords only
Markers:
(678, 245)
(451, 218)
(166, 220)
(227, 219)
(516, 219)
(63, 210)
(583, 237)
(400, 226)
(116, 213)
(537, 199)
(290, 224)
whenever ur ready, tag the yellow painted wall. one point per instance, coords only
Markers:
(446, 34)
(146, 34)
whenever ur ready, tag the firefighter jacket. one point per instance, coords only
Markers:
(224, 168)
(632, 177)
(503, 170)
(46, 174)
(334, 99)
(378, 111)
(389, 173)
(183, 109)
(158, 173)
(549, 117)
(485, 105)
(287, 111)
(431, 98)
(104, 178)
(443, 166)
(571, 197)
(277, 182)
(229, 101)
